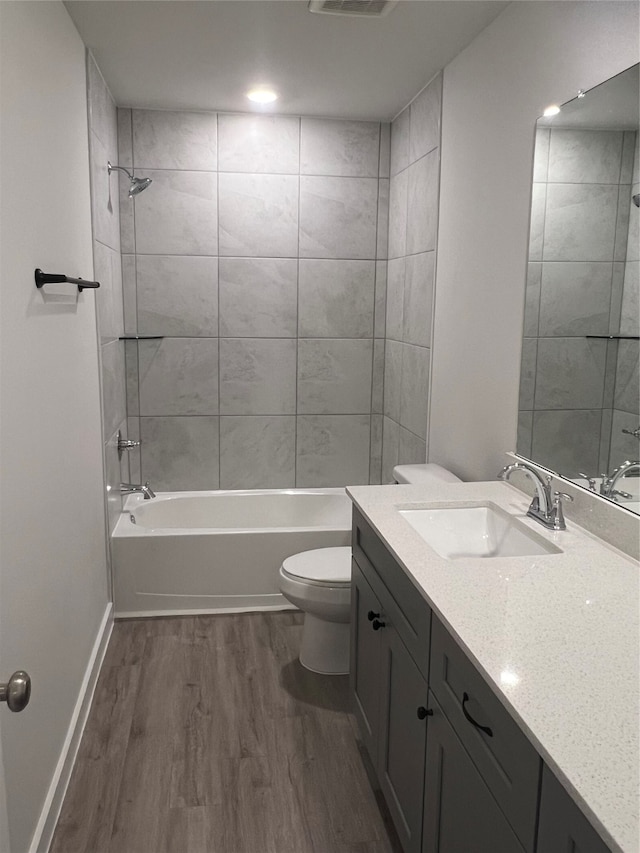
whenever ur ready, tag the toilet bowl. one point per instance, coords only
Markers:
(319, 583)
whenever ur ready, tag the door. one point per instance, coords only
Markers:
(365, 659)
(403, 730)
(459, 811)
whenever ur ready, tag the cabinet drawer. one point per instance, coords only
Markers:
(507, 762)
(402, 604)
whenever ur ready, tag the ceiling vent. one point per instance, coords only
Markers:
(354, 8)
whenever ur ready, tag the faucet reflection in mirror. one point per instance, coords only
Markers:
(579, 410)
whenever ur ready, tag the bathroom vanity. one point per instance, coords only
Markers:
(496, 696)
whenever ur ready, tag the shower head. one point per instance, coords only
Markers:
(137, 185)
(636, 199)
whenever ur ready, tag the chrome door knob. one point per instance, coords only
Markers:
(17, 691)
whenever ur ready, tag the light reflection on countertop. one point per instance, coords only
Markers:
(555, 635)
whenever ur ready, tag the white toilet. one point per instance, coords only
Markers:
(319, 583)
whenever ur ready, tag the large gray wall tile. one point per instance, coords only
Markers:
(259, 144)
(258, 297)
(528, 372)
(174, 140)
(390, 448)
(334, 376)
(418, 298)
(627, 391)
(377, 381)
(384, 166)
(398, 191)
(411, 448)
(567, 441)
(628, 150)
(580, 222)
(105, 199)
(257, 452)
(336, 298)
(570, 373)
(177, 295)
(108, 271)
(338, 217)
(575, 298)
(532, 299)
(400, 131)
(125, 138)
(344, 148)
(382, 241)
(585, 156)
(258, 215)
(414, 391)
(392, 379)
(180, 453)
(332, 450)
(132, 378)
(536, 230)
(102, 110)
(424, 133)
(525, 434)
(380, 313)
(396, 273)
(541, 155)
(375, 455)
(129, 294)
(114, 399)
(630, 311)
(177, 214)
(623, 445)
(422, 204)
(257, 376)
(178, 376)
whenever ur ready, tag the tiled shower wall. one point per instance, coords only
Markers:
(413, 221)
(103, 147)
(258, 254)
(571, 384)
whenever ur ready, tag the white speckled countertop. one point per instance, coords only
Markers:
(556, 635)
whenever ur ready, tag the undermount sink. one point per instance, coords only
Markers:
(476, 531)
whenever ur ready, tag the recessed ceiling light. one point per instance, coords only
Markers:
(553, 110)
(262, 96)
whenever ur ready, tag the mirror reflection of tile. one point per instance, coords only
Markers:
(579, 392)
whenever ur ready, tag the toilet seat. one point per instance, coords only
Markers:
(320, 567)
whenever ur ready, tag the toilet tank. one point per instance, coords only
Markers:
(427, 472)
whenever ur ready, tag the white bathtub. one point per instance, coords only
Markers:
(213, 552)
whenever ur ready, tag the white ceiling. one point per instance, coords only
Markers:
(179, 54)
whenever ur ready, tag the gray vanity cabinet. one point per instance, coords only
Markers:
(456, 771)
(388, 687)
(403, 729)
(460, 813)
(562, 825)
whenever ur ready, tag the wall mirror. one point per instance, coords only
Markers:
(579, 386)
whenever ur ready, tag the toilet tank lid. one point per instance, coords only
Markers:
(427, 472)
(328, 565)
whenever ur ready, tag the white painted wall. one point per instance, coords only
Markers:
(52, 557)
(532, 55)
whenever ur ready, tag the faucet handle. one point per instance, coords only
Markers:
(590, 480)
(558, 513)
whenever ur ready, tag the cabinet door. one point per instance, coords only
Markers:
(460, 814)
(365, 660)
(403, 726)
(562, 825)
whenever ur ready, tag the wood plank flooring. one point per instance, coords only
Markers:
(207, 736)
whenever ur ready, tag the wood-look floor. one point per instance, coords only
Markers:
(207, 736)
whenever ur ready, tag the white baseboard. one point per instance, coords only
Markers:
(43, 835)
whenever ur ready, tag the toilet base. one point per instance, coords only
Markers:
(325, 646)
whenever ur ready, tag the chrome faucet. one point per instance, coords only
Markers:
(131, 488)
(608, 488)
(544, 508)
